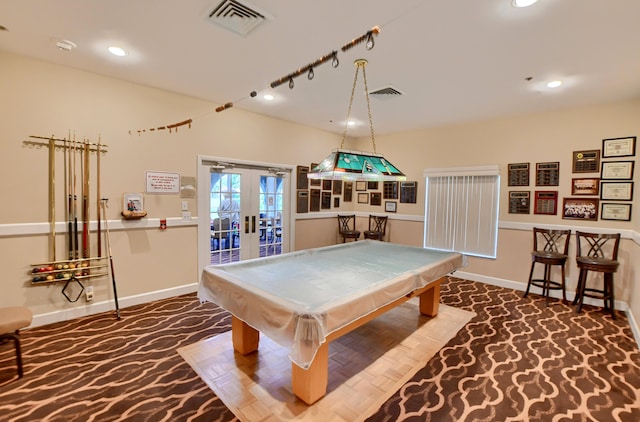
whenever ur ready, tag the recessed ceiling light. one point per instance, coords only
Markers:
(554, 84)
(268, 97)
(351, 123)
(523, 3)
(117, 51)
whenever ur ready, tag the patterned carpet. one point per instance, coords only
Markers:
(517, 360)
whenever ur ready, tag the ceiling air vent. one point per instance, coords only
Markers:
(239, 17)
(386, 93)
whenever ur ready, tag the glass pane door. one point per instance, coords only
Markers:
(225, 204)
(247, 214)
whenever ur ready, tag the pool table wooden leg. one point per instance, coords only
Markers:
(245, 338)
(311, 385)
(430, 300)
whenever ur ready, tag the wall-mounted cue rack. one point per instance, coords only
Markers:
(77, 262)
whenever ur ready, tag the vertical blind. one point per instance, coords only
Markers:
(461, 210)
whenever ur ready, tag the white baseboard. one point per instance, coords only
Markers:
(510, 284)
(109, 305)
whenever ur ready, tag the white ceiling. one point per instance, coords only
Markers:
(453, 60)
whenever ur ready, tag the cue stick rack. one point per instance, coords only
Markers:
(77, 263)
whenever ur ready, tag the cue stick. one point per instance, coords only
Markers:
(76, 254)
(52, 198)
(108, 240)
(85, 203)
(99, 216)
(70, 197)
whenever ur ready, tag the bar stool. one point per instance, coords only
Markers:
(554, 251)
(600, 254)
(12, 320)
(347, 227)
(377, 227)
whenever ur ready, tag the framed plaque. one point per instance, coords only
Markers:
(390, 190)
(302, 202)
(326, 201)
(372, 185)
(314, 182)
(302, 182)
(337, 187)
(408, 192)
(585, 186)
(617, 170)
(376, 198)
(619, 191)
(586, 161)
(546, 202)
(347, 192)
(336, 202)
(314, 200)
(519, 202)
(580, 209)
(619, 147)
(518, 174)
(327, 184)
(612, 211)
(548, 174)
(390, 206)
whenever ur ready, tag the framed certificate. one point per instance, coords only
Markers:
(619, 147)
(390, 206)
(612, 211)
(363, 198)
(619, 191)
(361, 185)
(617, 170)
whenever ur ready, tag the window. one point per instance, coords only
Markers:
(461, 210)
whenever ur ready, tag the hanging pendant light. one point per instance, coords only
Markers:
(344, 164)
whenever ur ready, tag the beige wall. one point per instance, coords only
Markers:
(43, 99)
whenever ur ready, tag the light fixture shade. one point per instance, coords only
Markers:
(344, 164)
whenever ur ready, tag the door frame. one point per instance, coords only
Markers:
(204, 164)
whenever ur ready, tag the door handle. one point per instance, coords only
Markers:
(246, 224)
(253, 224)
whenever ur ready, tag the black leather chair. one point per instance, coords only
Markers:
(599, 253)
(347, 227)
(550, 248)
(377, 227)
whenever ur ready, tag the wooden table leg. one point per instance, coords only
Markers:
(311, 385)
(430, 300)
(245, 338)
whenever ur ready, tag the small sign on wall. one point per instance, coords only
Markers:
(162, 182)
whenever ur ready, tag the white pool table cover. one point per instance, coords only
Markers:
(297, 299)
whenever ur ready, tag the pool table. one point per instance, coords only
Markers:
(305, 299)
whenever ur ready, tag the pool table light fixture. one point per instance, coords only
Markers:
(344, 164)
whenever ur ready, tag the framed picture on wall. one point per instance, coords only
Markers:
(361, 185)
(619, 191)
(363, 198)
(585, 186)
(585, 209)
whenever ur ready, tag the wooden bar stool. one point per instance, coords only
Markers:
(599, 253)
(347, 227)
(12, 320)
(553, 251)
(377, 227)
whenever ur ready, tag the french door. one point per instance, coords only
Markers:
(246, 211)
